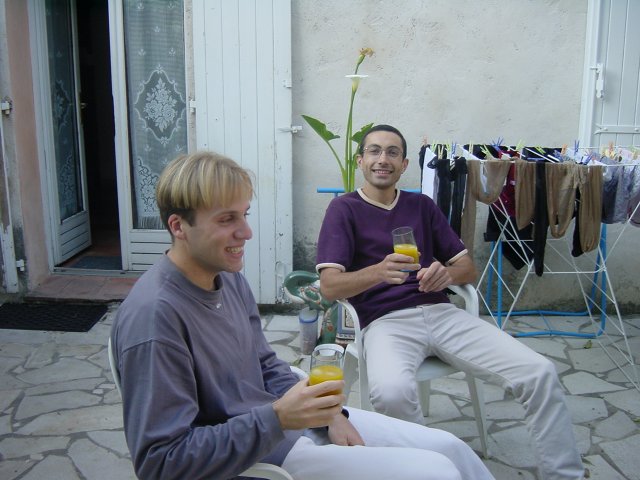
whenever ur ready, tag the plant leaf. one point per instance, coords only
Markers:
(320, 128)
(357, 137)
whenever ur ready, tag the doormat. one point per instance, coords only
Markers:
(99, 262)
(55, 317)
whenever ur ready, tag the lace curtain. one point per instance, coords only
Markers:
(155, 63)
(63, 107)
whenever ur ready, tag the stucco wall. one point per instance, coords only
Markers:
(462, 70)
(20, 143)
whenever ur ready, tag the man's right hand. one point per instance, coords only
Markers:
(304, 406)
(396, 267)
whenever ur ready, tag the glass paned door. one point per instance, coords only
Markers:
(156, 96)
(62, 128)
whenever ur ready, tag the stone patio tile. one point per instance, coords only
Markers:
(112, 440)
(617, 376)
(592, 360)
(628, 400)
(583, 382)
(41, 356)
(7, 364)
(460, 388)
(93, 461)
(617, 426)
(545, 347)
(12, 469)
(78, 351)
(624, 453)
(512, 446)
(285, 353)
(5, 426)
(277, 336)
(87, 384)
(8, 349)
(9, 382)
(583, 438)
(64, 369)
(108, 417)
(7, 397)
(16, 447)
(27, 337)
(39, 404)
(560, 366)
(600, 469)
(504, 472)
(442, 408)
(504, 410)
(586, 409)
(460, 428)
(286, 323)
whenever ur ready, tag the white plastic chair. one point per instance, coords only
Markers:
(259, 470)
(431, 368)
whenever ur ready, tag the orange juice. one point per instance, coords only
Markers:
(407, 249)
(324, 373)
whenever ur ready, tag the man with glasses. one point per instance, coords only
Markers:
(405, 316)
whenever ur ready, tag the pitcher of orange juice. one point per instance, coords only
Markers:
(326, 364)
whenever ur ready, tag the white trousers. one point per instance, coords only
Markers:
(394, 449)
(395, 345)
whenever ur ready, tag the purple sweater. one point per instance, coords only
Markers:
(356, 233)
(198, 378)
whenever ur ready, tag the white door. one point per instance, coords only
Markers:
(59, 125)
(611, 90)
(241, 102)
(242, 65)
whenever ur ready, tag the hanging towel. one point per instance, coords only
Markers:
(561, 196)
(525, 192)
(485, 181)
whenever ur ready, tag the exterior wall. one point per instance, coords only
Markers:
(462, 71)
(21, 146)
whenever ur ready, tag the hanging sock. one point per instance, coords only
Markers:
(541, 219)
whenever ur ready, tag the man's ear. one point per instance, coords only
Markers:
(405, 164)
(359, 160)
(175, 223)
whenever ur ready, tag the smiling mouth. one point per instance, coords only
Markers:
(382, 172)
(235, 250)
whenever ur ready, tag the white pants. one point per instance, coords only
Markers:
(394, 449)
(395, 345)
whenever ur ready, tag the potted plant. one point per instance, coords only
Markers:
(348, 162)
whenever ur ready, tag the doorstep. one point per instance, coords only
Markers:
(83, 288)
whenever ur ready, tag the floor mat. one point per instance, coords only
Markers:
(56, 317)
(98, 262)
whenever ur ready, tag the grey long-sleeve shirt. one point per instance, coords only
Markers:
(198, 378)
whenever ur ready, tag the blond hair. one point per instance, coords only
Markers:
(200, 180)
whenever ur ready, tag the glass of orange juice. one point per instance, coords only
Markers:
(326, 364)
(405, 243)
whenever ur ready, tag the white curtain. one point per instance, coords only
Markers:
(155, 65)
(63, 107)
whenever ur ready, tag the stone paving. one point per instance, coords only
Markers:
(60, 415)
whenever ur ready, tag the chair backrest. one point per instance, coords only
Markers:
(259, 470)
(114, 367)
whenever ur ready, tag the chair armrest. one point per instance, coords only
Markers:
(470, 297)
(268, 471)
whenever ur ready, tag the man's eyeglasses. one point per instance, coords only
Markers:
(393, 153)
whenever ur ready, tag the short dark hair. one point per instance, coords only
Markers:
(383, 128)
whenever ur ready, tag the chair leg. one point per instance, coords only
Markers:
(477, 399)
(424, 390)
